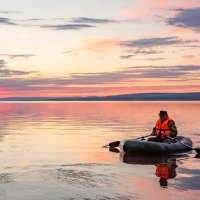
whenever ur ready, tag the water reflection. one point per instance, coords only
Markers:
(55, 150)
(165, 166)
(166, 171)
(197, 155)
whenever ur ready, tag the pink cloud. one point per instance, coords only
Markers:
(101, 45)
(148, 8)
(98, 91)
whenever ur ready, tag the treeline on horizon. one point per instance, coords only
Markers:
(193, 96)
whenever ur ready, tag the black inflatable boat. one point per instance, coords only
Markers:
(159, 148)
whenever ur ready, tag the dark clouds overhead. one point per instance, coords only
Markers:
(186, 18)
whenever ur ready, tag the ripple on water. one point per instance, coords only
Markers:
(55, 151)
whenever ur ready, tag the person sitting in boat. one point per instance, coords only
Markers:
(164, 126)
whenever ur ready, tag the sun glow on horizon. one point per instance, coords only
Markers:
(62, 50)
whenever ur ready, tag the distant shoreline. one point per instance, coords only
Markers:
(193, 96)
(62, 101)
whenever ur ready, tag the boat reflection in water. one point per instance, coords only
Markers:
(165, 166)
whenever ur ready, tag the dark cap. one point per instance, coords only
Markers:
(163, 112)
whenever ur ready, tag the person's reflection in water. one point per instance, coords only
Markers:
(166, 171)
(197, 155)
(165, 166)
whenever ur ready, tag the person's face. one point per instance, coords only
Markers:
(162, 117)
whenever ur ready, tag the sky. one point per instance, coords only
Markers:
(64, 48)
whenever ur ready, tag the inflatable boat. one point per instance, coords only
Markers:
(159, 148)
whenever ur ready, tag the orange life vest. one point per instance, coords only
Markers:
(162, 170)
(163, 128)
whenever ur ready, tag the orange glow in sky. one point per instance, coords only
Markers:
(99, 48)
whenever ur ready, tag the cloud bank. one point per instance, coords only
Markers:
(5, 72)
(6, 21)
(186, 18)
(92, 20)
(104, 83)
(68, 26)
(13, 56)
(154, 42)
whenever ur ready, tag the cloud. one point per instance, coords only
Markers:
(5, 72)
(147, 52)
(34, 19)
(186, 18)
(8, 73)
(76, 23)
(2, 63)
(126, 56)
(189, 56)
(9, 12)
(132, 53)
(6, 21)
(101, 45)
(153, 59)
(154, 42)
(13, 56)
(189, 46)
(145, 9)
(68, 26)
(97, 83)
(123, 76)
(92, 20)
(67, 52)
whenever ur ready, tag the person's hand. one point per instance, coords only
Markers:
(142, 138)
(153, 133)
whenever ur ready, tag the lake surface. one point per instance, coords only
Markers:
(55, 150)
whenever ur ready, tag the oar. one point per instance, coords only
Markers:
(116, 143)
(197, 149)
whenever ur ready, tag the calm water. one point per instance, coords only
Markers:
(55, 151)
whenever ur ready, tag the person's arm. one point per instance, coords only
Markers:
(172, 128)
(153, 131)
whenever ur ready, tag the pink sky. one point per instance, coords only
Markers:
(99, 48)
